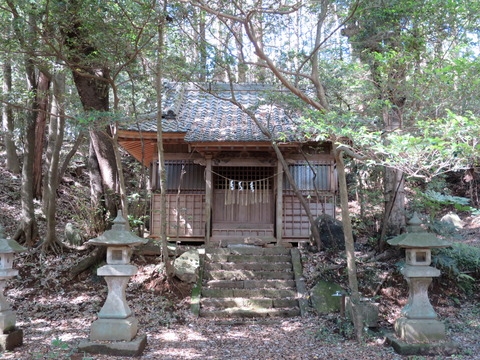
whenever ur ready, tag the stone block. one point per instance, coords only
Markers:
(401, 347)
(124, 348)
(114, 329)
(217, 293)
(7, 321)
(187, 266)
(11, 340)
(321, 297)
(419, 330)
(369, 311)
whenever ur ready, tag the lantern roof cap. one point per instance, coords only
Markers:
(118, 235)
(416, 237)
(8, 246)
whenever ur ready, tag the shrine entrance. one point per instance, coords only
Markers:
(243, 201)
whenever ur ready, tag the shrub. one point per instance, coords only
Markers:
(461, 263)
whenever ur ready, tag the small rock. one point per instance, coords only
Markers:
(331, 232)
(187, 265)
(321, 297)
(454, 219)
(72, 235)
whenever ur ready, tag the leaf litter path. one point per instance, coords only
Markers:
(51, 308)
(295, 338)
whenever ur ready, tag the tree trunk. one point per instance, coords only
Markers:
(161, 160)
(94, 97)
(96, 192)
(12, 162)
(92, 80)
(394, 185)
(349, 245)
(40, 126)
(121, 179)
(105, 153)
(202, 48)
(27, 231)
(394, 213)
(320, 90)
(78, 141)
(241, 66)
(55, 141)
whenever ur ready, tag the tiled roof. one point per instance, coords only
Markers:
(206, 118)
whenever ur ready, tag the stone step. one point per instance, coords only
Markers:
(248, 275)
(248, 250)
(262, 238)
(250, 284)
(248, 258)
(251, 303)
(249, 266)
(248, 293)
(249, 313)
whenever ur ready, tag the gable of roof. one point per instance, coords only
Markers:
(204, 117)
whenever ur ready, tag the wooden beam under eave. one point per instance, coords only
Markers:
(143, 146)
(143, 151)
(130, 134)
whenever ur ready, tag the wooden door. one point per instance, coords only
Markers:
(243, 201)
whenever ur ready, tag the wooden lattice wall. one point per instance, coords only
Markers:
(185, 216)
(295, 222)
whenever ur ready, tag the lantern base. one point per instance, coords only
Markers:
(444, 348)
(11, 339)
(114, 329)
(419, 330)
(7, 321)
(120, 348)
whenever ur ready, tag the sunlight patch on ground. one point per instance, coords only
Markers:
(170, 336)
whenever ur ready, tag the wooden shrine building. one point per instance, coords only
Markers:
(223, 177)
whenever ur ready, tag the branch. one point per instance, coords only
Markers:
(307, 59)
(250, 31)
(347, 150)
(21, 107)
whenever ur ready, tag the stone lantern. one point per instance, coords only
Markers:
(418, 321)
(116, 321)
(10, 337)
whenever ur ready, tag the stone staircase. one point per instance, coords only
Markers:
(248, 282)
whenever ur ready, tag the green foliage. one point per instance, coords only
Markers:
(461, 263)
(433, 201)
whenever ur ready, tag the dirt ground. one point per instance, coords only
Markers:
(56, 313)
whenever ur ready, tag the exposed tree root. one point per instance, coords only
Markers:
(97, 256)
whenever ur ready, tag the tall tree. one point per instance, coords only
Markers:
(8, 123)
(40, 126)
(56, 132)
(92, 79)
(24, 29)
(160, 151)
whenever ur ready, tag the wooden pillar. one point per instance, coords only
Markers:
(154, 175)
(279, 212)
(208, 198)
